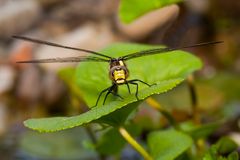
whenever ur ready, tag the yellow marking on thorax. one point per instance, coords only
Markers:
(119, 76)
(121, 63)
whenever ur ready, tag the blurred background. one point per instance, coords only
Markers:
(31, 90)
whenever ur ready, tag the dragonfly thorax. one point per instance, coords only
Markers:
(118, 72)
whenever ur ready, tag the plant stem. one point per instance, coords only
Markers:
(194, 100)
(154, 104)
(194, 105)
(134, 143)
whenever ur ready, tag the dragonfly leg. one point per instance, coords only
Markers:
(113, 90)
(105, 98)
(136, 93)
(129, 91)
(138, 80)
(134, 82)
(100, 94)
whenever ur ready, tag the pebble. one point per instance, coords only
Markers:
(53, 88)
(48, 3)
(3, 52)
(3, 118)
(160, 19)
(7, 78)
(29, 86)
(235, 136)
(20, 51)
(82, 10)
(198, 6)
(17, 16)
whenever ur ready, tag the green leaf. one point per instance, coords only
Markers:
(68, 75)
(131, 9)
(166, 70)
(233, 156)
(211, 153)
(167, 145)
(60, 123)
(118, 117)
(223, 147)
(201, 131)
(226, 145)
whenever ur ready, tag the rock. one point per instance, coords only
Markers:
(235, 136)
(2, 52)
(53, 88)
(29, 86)
(3, 119)
(159, 19)
(20, 51)
(198, 6)
(17, 16)
(7, 77)
(48, 3)
(77, 11)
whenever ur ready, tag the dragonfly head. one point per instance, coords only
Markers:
(116, 62)
(118, 71)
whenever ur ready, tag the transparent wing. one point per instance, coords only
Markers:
(58, 45)
(163, 50)
(68, 59)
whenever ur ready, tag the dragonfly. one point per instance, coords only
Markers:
(118, 71)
